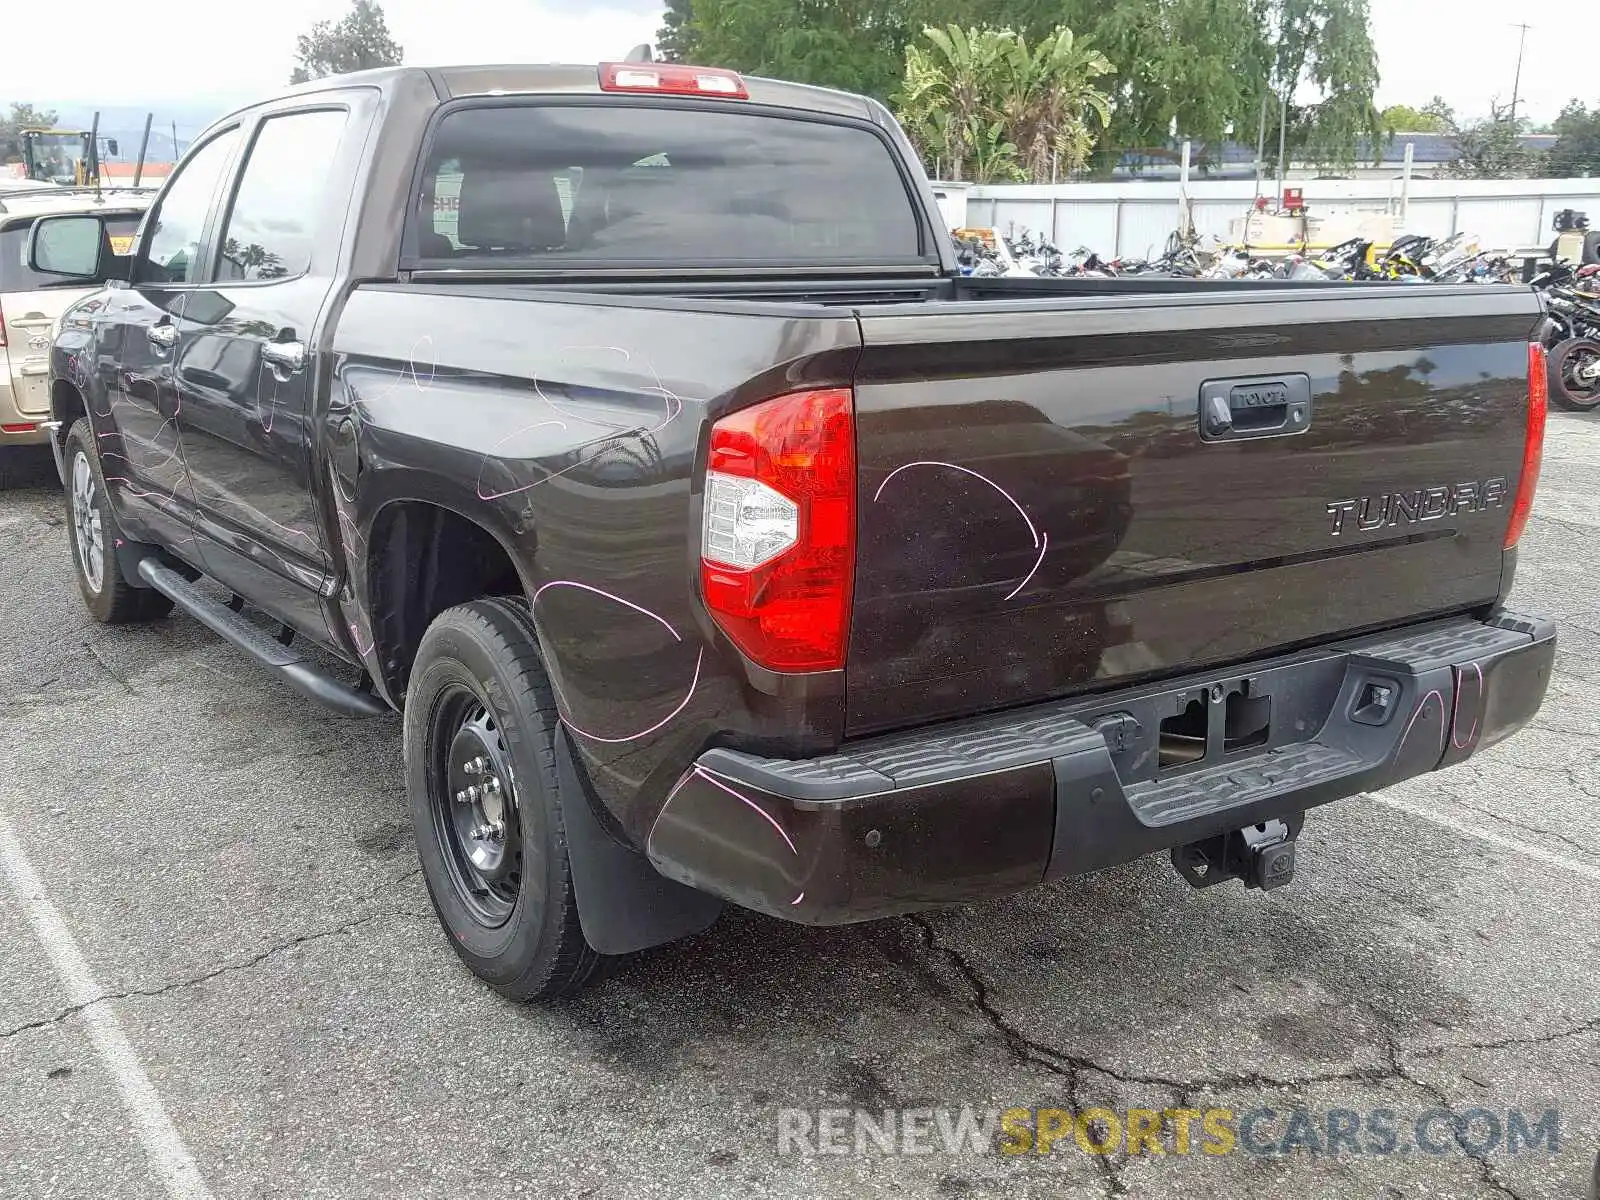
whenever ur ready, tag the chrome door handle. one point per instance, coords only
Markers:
(162, 337)
(285, 356)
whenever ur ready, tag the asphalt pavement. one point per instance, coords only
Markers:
(225, 978)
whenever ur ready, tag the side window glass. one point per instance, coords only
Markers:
(280, 203)
(172, 245)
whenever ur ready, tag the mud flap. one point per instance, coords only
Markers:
(624, 903)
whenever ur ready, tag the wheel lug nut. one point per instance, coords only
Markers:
(462, 797)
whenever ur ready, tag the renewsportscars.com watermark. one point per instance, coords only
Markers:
(1175, 1131)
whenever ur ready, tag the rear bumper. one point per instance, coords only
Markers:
(12, 418)
(987, 806)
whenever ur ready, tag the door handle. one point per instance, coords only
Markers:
(162, 337)
(287, 357)
(1263, 406)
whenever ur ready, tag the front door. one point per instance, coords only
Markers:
(141, 339)
(247, 375)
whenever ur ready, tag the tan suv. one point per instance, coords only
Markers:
(31, 304)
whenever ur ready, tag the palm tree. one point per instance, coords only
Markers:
(948, 97)
(1050, 102)
(983, 97)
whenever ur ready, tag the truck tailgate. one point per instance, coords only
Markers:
(1058, 495)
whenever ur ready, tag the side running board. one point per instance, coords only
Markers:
(288, 662)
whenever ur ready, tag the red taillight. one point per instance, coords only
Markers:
(672, 79)
(1533, 447)
(25, 427)
(777, 548)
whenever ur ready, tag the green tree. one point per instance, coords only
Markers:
(985, 99)
(1402, 118)
(949, 101)
(1576, 153)
(359, 41)
(1209, 68)
(675, 41)
(1323, 48)
(22, 116)
(855, 45)
(1051, 107)
(1493, 149)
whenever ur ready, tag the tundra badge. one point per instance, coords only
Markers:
(1420, 504)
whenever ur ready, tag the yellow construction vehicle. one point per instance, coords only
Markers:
(64, 156)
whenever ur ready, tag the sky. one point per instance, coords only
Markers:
(1465, 50)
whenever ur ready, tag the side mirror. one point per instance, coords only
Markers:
(75, 247)
(111, 147)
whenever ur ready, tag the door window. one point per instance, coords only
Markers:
(172, 247)
(282, 195)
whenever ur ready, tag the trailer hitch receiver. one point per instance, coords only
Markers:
(1261, 855)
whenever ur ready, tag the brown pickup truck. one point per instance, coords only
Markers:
(632, 431)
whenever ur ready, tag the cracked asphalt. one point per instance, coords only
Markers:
(238, 870)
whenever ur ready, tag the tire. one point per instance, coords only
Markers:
(479, 694)
(1564, 390)
(94, 533)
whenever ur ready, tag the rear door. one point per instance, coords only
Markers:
(30, 305)
(1060, 496)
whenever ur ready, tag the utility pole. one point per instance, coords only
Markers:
(1516, 86)
(1261, 144)
(1283, 131)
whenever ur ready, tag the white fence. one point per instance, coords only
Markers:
(1133, 219)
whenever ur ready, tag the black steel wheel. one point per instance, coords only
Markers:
(473, 799)
(480, 728)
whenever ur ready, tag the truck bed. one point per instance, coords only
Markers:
(1038, 514)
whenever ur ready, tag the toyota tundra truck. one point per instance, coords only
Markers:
(631, 431)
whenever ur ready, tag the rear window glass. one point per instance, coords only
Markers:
(14, 273)
(623, 184)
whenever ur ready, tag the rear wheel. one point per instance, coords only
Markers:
(480, 727)
(94, 533)
(1575, 374)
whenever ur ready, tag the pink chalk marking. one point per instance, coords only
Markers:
(572, 583)
(673, 401)
(355, 636)
(433, 363)
(482, 495)
(699, 659)
(797, 899)
(1044, 544)
(1455, 717)
(1421, 708)
(271, 418)
(738, 795)
(1010, 499)
(1041, 541)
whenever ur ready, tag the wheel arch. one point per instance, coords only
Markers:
(423, 555)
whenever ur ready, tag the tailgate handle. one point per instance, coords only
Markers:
(1264, 406)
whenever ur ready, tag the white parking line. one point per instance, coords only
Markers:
(1582, 869)
(169, 1159)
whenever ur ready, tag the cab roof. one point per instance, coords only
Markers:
(450, 83)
